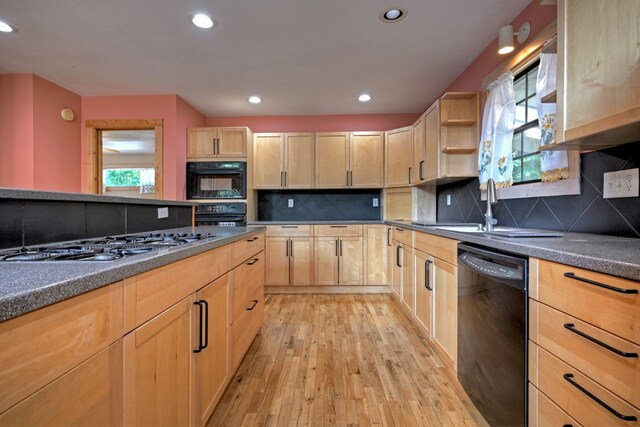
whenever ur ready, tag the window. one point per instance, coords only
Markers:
(526, 135)
(133, 177)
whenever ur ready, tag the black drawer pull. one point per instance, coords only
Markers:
(253, 261)
(427, 274)
(602, 285)
(572, 328)
(199, 304)
(206, 324)
(420, 169)
(567, 425)
(252, 240)
(337, 226)
(399, 229)
(398, 249)
(288, 226)
(569, 378)
(255, 302)
(389, 236)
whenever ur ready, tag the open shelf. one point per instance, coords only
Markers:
(459, 122)
(549, 98)
(459, 95)
(458, 150)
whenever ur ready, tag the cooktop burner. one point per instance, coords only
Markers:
(103, 249)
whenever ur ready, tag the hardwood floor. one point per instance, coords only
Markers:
(350, 360)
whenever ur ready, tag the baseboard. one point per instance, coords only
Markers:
(322, 289)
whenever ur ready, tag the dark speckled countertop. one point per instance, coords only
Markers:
(27, 286)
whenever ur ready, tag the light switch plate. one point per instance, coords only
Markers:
(375, 202)
(619, 184)
(163, 213)
(290, 203)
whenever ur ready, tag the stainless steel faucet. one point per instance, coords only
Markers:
(492, 199)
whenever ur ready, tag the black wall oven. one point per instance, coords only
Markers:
(216, 180)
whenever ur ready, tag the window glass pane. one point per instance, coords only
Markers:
(531, 140)
(531, 81)
(517, 170)
(519, 86)
(127, 177)
(531, 168)
(517, 145)
(532, 109)
(521, 114)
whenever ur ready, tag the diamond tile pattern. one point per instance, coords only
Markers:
(587, 212)
(319, 205)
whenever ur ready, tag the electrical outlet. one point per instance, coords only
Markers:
(448, 199)
(622, 183)
(375, 202)
(290, 203)
(163, 213)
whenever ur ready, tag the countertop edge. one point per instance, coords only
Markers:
(37, 195)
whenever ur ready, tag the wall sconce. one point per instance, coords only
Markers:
(505, 37)
(67, 114)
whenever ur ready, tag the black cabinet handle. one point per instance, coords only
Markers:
(427, 274)
(286, 248)
(399, 229)
(398, 248)
(255, 302)
(199, 304)
(336, 247)
(572, 328)
(252, 240)
(285, 178)
(340, 247)
(206, 324)
(347, 178)
(569, 378)
(288, 226)
(290, 247)
(389, 236)
(253, 261)
(567, 425)
(409, 175)
(601, 285)
(420, 169)
(281, 179)
(337, 226)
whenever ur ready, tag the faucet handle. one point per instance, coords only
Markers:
(491, 220)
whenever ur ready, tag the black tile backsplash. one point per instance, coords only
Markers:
(587, 212)
(27, 223)
(319, 205)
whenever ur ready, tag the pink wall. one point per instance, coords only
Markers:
(186, 117)
(328, 123)
(56, 143)
(16, 130)
(471, 79)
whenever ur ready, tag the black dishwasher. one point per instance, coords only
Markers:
(492, 333)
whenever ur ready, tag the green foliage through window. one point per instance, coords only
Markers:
(122, 177)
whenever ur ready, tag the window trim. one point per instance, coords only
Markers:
(517, 63)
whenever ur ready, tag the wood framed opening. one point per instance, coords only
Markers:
(93, 150)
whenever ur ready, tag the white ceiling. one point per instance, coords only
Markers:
(129, 141)
(301, 56)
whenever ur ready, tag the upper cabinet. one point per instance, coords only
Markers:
(419, 154)
(399, 157)
(283, 160)
(598, 73)
(211, 143)
(349, 160)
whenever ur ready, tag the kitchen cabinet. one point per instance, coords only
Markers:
(402, 280)
(338, 251)
(289, 255)
(375, 239)
(349, 160)
(419, 154)
(283, 160)
(583, 331)
(208, 143)
(424, 279)
(398, 157)
(445, 309)
(598, 79)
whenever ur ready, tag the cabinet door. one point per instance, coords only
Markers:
(408, 290)
(366, 160)
(332, 159)
(268, 157)
(424, 290)
(396, 273)
(375, 258)
(158, 369)
(399, 157)
(419, 151)
(201, 142)
(301, 260)
(277, 257)
(232, 142)
(212, 363)
(326, 260)
(351, 261)
(445, 309)
(299, 160)
(432, 144)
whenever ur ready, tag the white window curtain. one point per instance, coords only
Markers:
(495, 156)
(554, 164)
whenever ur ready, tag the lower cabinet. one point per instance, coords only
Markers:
(375, 255)
(289, 261)
(445, 309)
(339, 255)
(424, 280)
(408, 286)
(396, 268)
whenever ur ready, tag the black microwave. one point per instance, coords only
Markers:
(216, 180)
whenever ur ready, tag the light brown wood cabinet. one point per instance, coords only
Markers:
(283, 160)
(289, 255)
(598, 76)
(445, 309)
(419, 153)
(398, 157)
(339, 255)
(349, 160)
(208, 143)
(424, 279)
(375, 239)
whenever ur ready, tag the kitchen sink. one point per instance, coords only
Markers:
(502, 231)
(462, 228)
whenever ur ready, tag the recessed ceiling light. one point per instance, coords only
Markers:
(203, 21)
(255, 99)
(365, 97)
(394, 14)
(6, 28)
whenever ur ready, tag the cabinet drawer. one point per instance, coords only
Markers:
(338, 230)
(543, 412)
(606, 308)
(247, 247)
(246, 326)
(289, 231)
(403, 236)
(439, 247)
(40, 346)
(562, 383)
(248, 277)
(552, 330)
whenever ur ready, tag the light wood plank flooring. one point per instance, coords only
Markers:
(349, 360)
